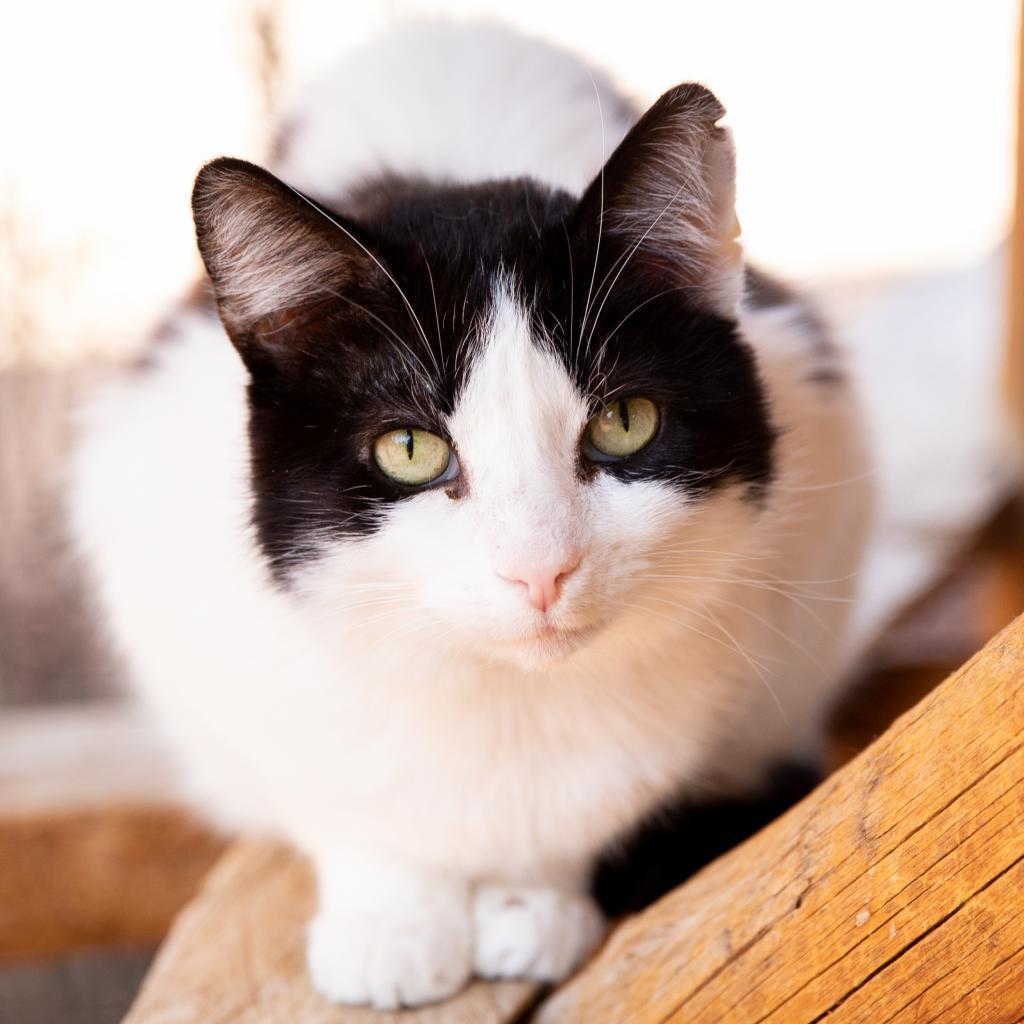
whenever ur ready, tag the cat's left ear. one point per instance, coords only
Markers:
(276, 260)
(664, 205)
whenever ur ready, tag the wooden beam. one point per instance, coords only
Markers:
(97, 876)
(1014, 366)
(238, 955)
(893, 894)
(94, 849)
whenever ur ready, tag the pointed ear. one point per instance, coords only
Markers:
(275, 257)
(669, 199)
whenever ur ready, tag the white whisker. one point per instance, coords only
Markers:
(600, 221)
(384, 270)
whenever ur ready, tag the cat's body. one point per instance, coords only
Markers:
(345, 663)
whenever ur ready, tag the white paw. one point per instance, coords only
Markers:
(399, 956)
(538, 933)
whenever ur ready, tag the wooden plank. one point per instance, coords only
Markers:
(1014, 365)
(96, 876)
(237, 955)
(894, 893)
(93, 847)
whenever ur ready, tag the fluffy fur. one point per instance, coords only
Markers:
(356, 665)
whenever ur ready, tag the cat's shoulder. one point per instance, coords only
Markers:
(783, 323)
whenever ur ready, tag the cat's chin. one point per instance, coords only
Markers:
(543, 647)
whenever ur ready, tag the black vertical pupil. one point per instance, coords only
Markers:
(408, 444)
(623, 415)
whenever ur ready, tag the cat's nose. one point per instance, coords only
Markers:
(543, 582)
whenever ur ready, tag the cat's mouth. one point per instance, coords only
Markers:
(547, 643)
(562, 634)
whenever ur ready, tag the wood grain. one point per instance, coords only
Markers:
(1013, 372)
(894, 893)
(95, 876)
(237, 955)
(93, 847)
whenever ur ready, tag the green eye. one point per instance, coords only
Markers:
(412, 456)
(624, 427)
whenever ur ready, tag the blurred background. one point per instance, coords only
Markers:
(872, 137)
(877, 147)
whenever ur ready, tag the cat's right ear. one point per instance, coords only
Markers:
(664, 205)
(277, 260)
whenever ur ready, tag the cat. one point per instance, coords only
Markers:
(484, 505)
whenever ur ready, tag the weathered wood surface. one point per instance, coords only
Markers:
(893, 894)
(93, 847)
(237, 956)
(1013, 375)
(97, 876)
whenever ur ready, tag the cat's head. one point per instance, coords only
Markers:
(483, 411)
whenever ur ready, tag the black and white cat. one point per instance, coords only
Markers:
(494, 510)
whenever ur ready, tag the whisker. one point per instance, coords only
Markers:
(348, 234)
(387, 327)
(618, 327)
(572, 286)
(733, 645)
(625, 262)
(756, 666)
(812, 658)
(801, 488)
(433, 296)
(600, 220)
(796, 599)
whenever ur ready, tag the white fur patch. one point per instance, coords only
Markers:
(389, 940)
(530, 932)
(423, 101)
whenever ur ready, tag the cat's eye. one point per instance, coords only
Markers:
(622, 428)
(413, 457)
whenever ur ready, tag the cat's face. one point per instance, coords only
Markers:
(478, 414)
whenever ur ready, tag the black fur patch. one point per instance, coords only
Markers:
(330, 374)
(683, 837)
(312, 425)
(765, 292)
(364, 367)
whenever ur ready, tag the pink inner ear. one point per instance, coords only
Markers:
(667, 194)
(277, 323)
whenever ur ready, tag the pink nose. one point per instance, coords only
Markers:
(543, 583)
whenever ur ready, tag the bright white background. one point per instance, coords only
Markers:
(873, 136)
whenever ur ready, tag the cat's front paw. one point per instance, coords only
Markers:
(533, 932)
(399, 956)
